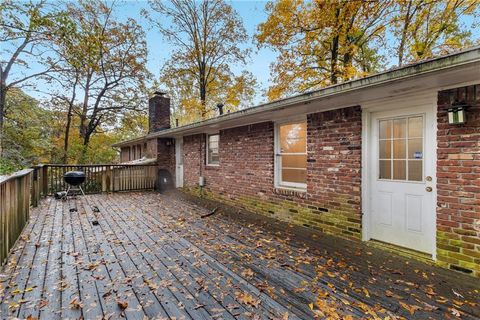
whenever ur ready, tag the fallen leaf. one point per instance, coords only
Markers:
(367, 294)
(410, 308)
(75, 304)
(247, 273)
(42, 303)
(122, 304)
(455, 312)
(247, 299)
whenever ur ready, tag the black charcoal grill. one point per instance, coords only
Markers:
(74, 179)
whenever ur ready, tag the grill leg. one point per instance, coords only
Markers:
(81, 190)
(66, 194)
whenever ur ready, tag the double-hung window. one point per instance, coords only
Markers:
(213, 158)
(291, 155)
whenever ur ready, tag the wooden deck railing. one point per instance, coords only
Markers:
(101, 177)
(25, 188)
(14, 208)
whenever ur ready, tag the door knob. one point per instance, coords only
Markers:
(428, 189)
(428, 178)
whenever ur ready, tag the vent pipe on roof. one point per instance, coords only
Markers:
(220, 108)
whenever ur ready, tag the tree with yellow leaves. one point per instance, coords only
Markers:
(321, 42)
(425, 28)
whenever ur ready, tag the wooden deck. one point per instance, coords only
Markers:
(151, 256)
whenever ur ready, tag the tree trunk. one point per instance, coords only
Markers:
(203, 101)
(334, 61)
(3, 99)
(403, 38)
(334, 51)
(86, 141)
(203, 92)
(67, 134)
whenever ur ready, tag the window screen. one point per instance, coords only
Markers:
(212, 149)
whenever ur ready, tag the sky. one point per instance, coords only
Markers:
(251, 12)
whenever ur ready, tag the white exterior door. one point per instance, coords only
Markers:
(179, 162)
(402, 167)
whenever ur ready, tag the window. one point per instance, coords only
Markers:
(291, 155)
(401, 149)
(213, 158)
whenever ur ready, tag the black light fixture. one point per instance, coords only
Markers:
(457, 114)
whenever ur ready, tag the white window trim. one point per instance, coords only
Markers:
(206, 149)
(278, 183)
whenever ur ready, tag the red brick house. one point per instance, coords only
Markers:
(392, 158)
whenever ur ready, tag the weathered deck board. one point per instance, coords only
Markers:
(70, 288)
(157, 255)
(23, 267)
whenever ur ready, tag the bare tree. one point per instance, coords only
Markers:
(207, 36)
(102, 71)
(25, 31)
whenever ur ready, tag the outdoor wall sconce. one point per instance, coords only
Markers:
(456, 114)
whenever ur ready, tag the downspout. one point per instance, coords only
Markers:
(201, 161)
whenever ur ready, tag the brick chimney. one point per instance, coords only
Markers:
(158, 112)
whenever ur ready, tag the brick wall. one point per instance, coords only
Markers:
(158, 113)
(458, 183)
(192, 159)
(245, 176)
(334, 164)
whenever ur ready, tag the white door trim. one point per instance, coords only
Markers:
(404, 104)
(179, 167)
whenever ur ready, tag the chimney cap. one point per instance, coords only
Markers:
(159, 93)
(219, 105)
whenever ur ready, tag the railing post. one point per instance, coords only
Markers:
(44, 180)
(35, 186)
(112, 178)
(109, 178)
(104, 179)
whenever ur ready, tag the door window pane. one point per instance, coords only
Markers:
(385, 129)
(399, 149)
(385, 149)
(415, 148)
(415, 170)
(399, 170)
(385, 169)
(399, 128)
(415, 127)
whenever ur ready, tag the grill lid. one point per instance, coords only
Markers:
(74, 178)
